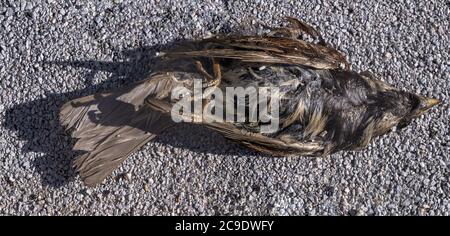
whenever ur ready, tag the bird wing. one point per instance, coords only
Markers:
(271, 50)
(265, 144)
(264, 49)
(257, 141)
(111, 126)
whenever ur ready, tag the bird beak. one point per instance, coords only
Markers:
(428, 103)
(431, 102)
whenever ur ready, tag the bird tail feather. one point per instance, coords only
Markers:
(111, 126)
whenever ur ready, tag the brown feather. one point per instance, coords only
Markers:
(268, 50)
(111, 126)
(324, 109)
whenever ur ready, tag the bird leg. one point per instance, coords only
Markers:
(217, 72)
(211, 80)
(201, 69)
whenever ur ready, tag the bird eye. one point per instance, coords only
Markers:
(414, 102)
(403, 123)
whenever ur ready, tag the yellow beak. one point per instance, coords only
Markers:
(431, 102)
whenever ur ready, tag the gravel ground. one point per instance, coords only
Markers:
(52, 51)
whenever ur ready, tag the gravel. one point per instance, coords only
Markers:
(52, 51)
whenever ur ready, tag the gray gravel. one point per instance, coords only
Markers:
(52, 51)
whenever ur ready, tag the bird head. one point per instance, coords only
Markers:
(422, 104)
(418, 106)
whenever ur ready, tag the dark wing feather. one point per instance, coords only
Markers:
(272, 146)
(273, 50)
(267, 50)
(110, 126)
(252, 140)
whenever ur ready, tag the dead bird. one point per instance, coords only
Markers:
(323, 106)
